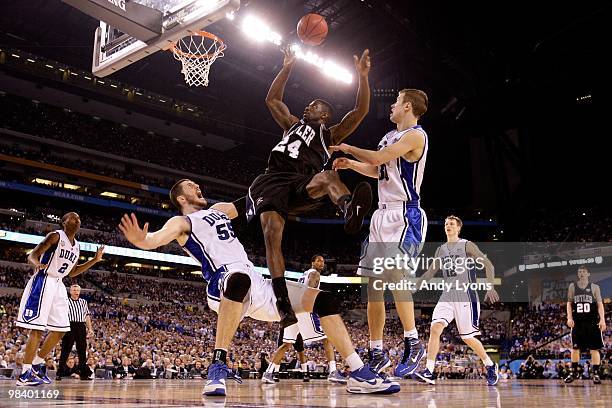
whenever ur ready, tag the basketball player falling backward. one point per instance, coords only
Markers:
(399, 225)
(294, 181)
(584, 305)
(235, 290)
(44, 303)
(293, 335)
(458, 259)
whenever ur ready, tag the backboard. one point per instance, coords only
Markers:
(131, 29)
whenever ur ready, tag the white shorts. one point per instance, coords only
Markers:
(465, 314)
(44, 304)
(395, 229)
(308, 325)
(260, 302)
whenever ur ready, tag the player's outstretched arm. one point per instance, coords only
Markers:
(274, 99)
(412, 140)
(79, 269)
(475, 253)
(51, 239)
(233, 209)
(351, 120)
(343, 163)
(174, 228)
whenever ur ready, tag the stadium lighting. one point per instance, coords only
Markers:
(328, 67)
(230, 16)
(260, 31)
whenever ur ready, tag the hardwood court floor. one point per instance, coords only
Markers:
(317, 393)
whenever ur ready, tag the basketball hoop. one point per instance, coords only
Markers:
(197, 52)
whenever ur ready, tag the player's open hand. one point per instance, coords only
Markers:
(491, 296)
(131, 230)
(289, 55)
(341, 163)
(602, 324)
(570, 323)
(342, 147)
(362, 65)
(99, 253)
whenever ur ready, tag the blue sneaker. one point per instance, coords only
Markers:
(29, 378)
(336, 377)
(41, 371)
(409, 365)
(366, 381)
(492, 374)
(425, 376)
(379, 360)
(217, 374)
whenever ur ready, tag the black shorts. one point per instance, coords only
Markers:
(299, 341)
(284, 193)
(586, 336)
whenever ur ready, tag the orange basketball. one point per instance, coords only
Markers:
(312, 29)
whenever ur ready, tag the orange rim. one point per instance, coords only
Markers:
(206, 34)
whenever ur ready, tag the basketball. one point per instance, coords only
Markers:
(312, 29)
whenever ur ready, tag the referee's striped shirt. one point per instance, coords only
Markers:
(77, 310)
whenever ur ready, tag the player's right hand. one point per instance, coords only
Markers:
(289, 55)
(570, 323)
(131, 230)
(341, 163)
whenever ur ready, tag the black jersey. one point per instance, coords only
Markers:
(584, 304)
(302, 150)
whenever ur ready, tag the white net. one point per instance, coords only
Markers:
(197, 53)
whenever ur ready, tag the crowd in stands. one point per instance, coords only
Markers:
(570, 225)
(52, 122)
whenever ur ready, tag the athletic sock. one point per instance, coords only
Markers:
(431, 364)
(37, 360)
(220, 356)
(595, 369)
(280, 287)
(25, 368)
(574, 369)
(332, 366)
(272, 368)
(487, 361)
(411, 334)
(376, 344)
(354, 362)
(304, 367)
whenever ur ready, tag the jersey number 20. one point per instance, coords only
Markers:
(583, 307)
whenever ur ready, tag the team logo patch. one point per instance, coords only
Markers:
(259, 200)
(62, 243)
(588, 290)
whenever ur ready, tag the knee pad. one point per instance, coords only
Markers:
(325, 305)
(237, 286)
(299, 344)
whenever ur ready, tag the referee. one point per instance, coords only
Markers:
(78, 314)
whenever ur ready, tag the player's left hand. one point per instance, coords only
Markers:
(99, 253)
(602, 324)
(342, 147)
(362, 65)
(491, 296)
(131, 230)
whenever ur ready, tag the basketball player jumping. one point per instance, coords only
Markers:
(583, 297)
(399, 225)
(292, 335)
(44, 303)
(462, 306)
(294, 181)
(235, 289)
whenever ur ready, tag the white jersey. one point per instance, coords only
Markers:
(61, 258)
(457, 271)
(304, 278)
(213, 243)
(399, 179)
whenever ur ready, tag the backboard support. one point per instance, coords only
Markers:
(115, 48)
